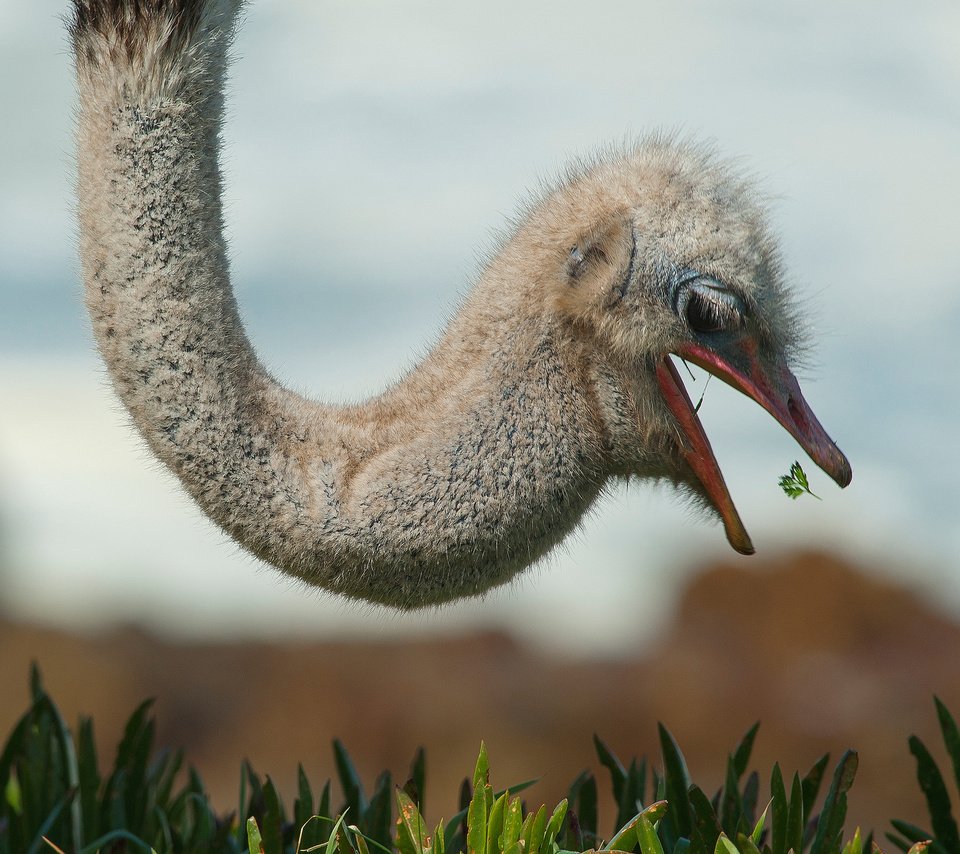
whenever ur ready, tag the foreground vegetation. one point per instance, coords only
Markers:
(56, 798)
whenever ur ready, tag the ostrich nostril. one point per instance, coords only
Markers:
(796, 413)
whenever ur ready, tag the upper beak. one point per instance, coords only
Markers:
(776, 389)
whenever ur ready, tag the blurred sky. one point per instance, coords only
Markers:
(372, 150)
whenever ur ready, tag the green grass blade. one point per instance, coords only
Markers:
(345, 840)
(911, 831)
(640, 784)
(378, 820)
(855, 845)
(647, 837)
(780, 811)
(477, 820)
(731, 805)
(124, 787)
(582, 798)
(255, 804)
(573, 836)
(271, 829)
(458, 840)
(349, 780)
(628, 836)
(935, 791)
(131, 745)
(796, 817)
(453, 826)
(741, 755)
(418, 774)
(830, 825)
(757, 833)
(812, 781)
(455, 834)
(537, 831)
(303, 805)
(68, 756)
(554, 825)
(902, 844)
(677, 781)
(526, 829)
(360, 841)
(411, 828)
(331, 846)
(706, 828)
(618, 774)
(166, 832)
(323, 807)
(495, 823)
(164, 771)
(631, 798)
(512, 822)
(16, 744)
(951, 737)
(89, 774)
(625, 839)
(50, 821)
(481, 772)
(725, 846)
(656, 811)
(750, 796)
(254, 841)
(587, 812)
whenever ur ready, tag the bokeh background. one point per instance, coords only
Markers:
(372, 152)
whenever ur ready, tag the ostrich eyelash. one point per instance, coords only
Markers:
(706, 305)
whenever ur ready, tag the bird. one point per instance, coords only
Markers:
(553, 379)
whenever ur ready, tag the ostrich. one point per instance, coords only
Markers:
(552, 380)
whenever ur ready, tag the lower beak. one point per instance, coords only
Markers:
(776, 390)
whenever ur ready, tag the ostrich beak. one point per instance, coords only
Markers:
(776, 389)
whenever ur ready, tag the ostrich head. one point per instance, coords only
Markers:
(664, 251)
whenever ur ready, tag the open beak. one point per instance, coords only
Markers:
(776, 390)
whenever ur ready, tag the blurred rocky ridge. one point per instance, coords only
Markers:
(824, 655)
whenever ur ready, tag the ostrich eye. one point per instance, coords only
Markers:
(709, 307)
(703, 314)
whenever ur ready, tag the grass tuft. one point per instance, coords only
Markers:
(54, 796)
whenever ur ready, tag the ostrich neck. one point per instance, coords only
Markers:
(473, 466)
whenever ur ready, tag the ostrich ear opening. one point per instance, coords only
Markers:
(596, 269)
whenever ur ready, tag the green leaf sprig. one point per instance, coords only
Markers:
(796, 484)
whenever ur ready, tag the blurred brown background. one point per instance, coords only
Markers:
(823, 655)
